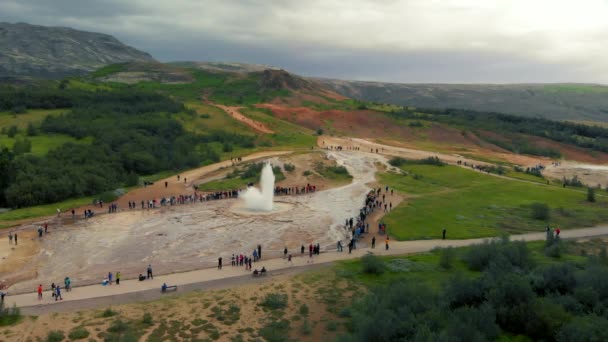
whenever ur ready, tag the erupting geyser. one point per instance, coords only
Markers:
(261, 200)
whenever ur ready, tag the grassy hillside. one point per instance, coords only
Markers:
(471, 204)
(579, 102)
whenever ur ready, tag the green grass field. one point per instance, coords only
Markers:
(470, 204)
(211, 118)
(34, 116)
(424, 267)
(286, 134)
(42, 144)
(42, 210)
(525, 176)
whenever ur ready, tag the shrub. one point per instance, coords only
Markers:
(204, 116)
(306, 173)
(227, 147)
(590, 195)
(303, 310)
(31, 130)
(585, 328)
(540, 211)
(445, 259)
(372, 264)
(319, 131)
(558, 278)
(22, 145)
(55, 336)
(132, 179)
(340, 170)
(574, 181)
(331, 326)
(553, 251)
(289, 167)
(12, 131)
(306, 329)
(275, 331)
(398, 161)
(275, 301)
(500, 255)
(108, 313)
(78, 333)
(118, 326)
(147, 319)
(9, 316)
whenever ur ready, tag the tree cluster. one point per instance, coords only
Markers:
(586, 136)
(134, 133)
(512, 295)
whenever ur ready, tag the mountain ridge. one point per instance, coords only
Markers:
(54, 52)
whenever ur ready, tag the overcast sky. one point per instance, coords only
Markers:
(468, 41)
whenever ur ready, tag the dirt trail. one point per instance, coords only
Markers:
(236, 114)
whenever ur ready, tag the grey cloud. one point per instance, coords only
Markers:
(334, 39)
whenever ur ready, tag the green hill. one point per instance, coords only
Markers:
(579, 102)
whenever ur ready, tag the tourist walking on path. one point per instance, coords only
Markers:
(250, 262)
(259, 252)
(387, 241)
(150, 276)
(285, 253)
(219, 263)
(443, 238)
(58, 293)
(302, 249)
(16, 239)
(10, 238)
(310, 256)
(109, 278)
(40, 292)
(117, 278)
(67, 284)
(373, 242)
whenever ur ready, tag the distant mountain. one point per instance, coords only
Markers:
(225, 66)
(53, 52)
(580, 102)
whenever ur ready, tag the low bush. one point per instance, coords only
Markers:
(289, 167)
(9, 316)
(372, 264)
(55, 336)
(275, 301)
(446, 257)
(540, 211)
(78, 333)
(108, 313)
(147, 319)
(275, 331)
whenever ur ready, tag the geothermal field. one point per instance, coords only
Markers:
(191, 236)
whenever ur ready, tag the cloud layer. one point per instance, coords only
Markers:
(404, 41)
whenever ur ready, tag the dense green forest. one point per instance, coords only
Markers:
(503, 294)
(585, 136)
(134, 133)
